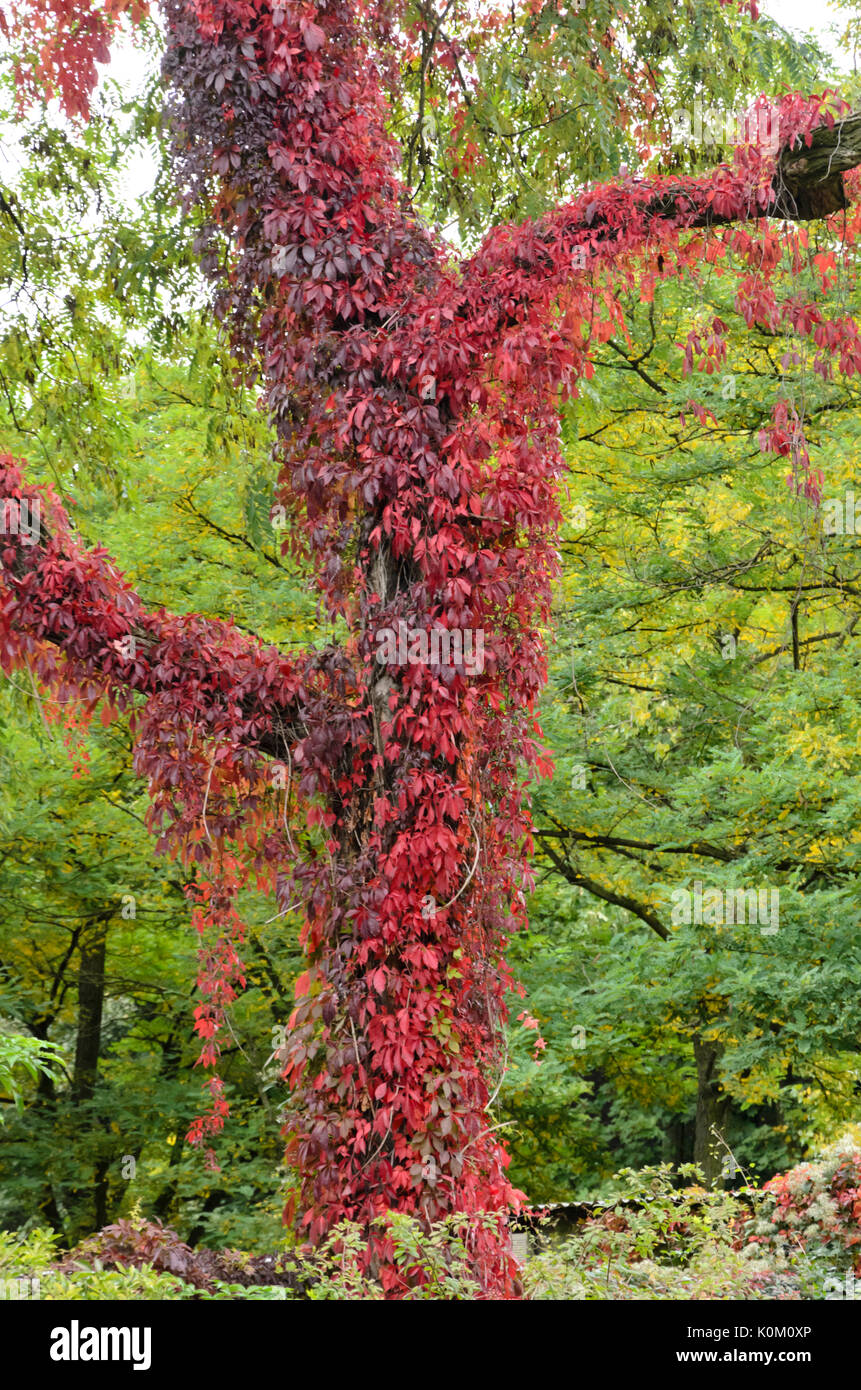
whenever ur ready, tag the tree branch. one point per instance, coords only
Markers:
(606, 894)
(73, 601)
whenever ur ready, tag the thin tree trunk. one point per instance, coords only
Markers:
(91, 991)
(711, 1112)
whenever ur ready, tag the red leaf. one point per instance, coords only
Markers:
(313, 35)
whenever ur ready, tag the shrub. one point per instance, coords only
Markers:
(653, 1242)
(812, 1215)
(656, 1242)
(136, 1244)
(139, 1259)
(432, 1264)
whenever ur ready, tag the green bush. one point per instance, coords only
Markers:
(138, 1260)
(656, 1242)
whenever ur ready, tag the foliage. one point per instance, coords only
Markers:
(414, 400)
(139, 1259)
(676, 1244)
(696, 741)
(502, 111)
(435, 1262)
(34, 1258)
(814, 1211)
(31, 1055)
(74, 851)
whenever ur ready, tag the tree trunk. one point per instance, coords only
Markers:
(91, 990)
(711, 1112)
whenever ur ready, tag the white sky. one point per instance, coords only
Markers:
(807, 16)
